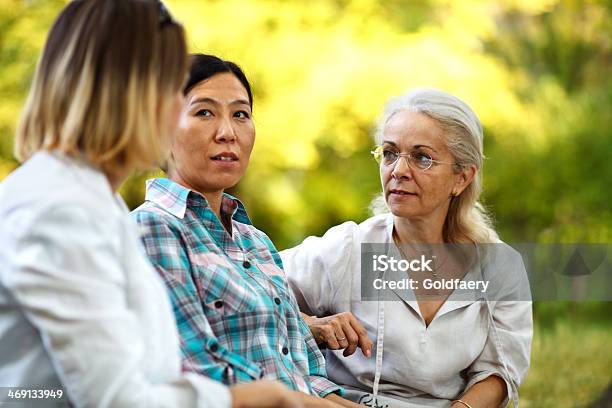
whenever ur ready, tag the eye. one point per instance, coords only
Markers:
(204, 112)
(242, 115)
(422, 160)
(389, 156)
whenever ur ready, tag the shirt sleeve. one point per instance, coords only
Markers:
(69, 281)
(317, 377)
(316, 364)
(318, 266)
(202, 353)
(508, 347)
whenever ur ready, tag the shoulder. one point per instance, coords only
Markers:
(373, 229)
(504, 267)
(343, 240)
(376, 228)
(150, 217)
(32, 198)
(500, 254)
(66, 228)
(47, 182)
(149, 211)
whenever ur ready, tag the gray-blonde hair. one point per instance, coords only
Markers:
(466, 220)
(104, 84)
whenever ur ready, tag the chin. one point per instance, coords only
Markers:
(226, 183)
(403, 211)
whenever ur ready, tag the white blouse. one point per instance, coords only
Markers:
(421, 365)
(81, 308)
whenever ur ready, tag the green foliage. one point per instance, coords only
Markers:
(537, 72)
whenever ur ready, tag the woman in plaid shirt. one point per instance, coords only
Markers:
(236, 315)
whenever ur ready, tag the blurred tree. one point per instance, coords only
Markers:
(23, 25)
(535, 71)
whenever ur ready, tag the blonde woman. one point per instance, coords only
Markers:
(433, 348)
(84, 317)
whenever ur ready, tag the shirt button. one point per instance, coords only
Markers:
(214, 348)
(246, 264)
(277, 301)
(219, 304)
(285, 350)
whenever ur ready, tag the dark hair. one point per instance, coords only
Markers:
(203, 66)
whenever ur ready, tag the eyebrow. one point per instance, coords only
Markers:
(414, 147)
(216, 102)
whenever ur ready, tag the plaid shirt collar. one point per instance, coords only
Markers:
(175, 199)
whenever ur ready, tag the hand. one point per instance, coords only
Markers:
(264, 394)
(340, 331)
(310, 401)
(342, 402)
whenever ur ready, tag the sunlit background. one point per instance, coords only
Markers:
(538, 72)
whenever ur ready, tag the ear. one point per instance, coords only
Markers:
(464, 178)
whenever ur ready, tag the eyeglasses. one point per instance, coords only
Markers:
(416, 160)
(164, 15)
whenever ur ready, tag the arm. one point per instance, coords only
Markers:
(69, 281)
(319, 273)
(504, 361)
(319, 268)
(490, 392)
(338, 400)
(316, 365)
(266, 394)
(201, 351)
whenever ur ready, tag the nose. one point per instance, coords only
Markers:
(225, 131)
(401, 169)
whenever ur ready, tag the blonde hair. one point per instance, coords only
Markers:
(466, 220)
(104, 84)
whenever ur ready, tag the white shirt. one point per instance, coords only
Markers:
(80, 305)
(422, 365)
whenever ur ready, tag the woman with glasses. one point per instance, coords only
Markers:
(438, 342)
(84, 318)
(236, 315)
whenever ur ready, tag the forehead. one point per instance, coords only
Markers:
(407, 129)
(224, 87)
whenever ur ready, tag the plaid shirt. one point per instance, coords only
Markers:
(236, 314)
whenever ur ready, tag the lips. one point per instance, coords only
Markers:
(401, 192)
(225, 157)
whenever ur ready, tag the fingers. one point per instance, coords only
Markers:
(351, 337)
(341, 331)
(338, 334)
(328, 333)
(356, 335)
(365, 344)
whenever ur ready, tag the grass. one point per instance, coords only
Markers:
(571, 361)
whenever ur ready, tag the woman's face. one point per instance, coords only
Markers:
(414, 193)
(215, 135)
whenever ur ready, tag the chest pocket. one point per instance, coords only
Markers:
(222, 290)
(277, 279)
